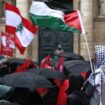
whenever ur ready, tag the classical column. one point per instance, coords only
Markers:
(35, 47)
(86, 9)
(23, 6)
(102, 8)
(76, 36)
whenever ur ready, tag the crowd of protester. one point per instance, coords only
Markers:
(73, 89)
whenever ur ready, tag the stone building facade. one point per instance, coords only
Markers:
(93, 21)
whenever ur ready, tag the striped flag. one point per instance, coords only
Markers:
(23, 29)
(41, 14)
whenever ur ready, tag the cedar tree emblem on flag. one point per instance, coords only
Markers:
(19, 27)
(23, 29)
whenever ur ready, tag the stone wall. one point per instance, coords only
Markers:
(2, 26)
(99, 31)
(94, 26)
(32, 50)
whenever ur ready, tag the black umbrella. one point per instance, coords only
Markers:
(72, 62)
(51, 74)
(67, 56)
(16, 61)
(72, 56)
(13, 63)
(25, 80)
(5, 102)
(76, 66)
(4, 91)
(35, 70)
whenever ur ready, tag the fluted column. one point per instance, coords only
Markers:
(23, 6)
(86, 8)
(76, 36)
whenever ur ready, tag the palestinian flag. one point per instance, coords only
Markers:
(43, 15)
(23, 29)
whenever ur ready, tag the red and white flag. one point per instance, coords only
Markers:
(46, 62)
(42, 15)
(24, 67)
(60, 66)
(23, 29)
(7, 44)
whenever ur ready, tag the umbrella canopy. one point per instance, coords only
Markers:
(72, 56)
(16, 61)
(5, 102)
(51, 74)
(67, 57)
(35, 70)
(25, 80)
(76, 66)
(4, 90)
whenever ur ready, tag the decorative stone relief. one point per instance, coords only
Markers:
(101, 8)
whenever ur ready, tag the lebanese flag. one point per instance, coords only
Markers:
(43, 15)
(23, 29)
(7, 44)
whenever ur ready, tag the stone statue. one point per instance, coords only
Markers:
(102, 8)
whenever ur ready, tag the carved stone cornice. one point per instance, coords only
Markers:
(99, 18)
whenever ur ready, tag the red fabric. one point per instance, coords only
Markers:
(62, 96)
(19, 45)
(73, 19)
(12, 29)
(57, 82)
(24, 66)
(60, 64)
(46, 63)
(41, 91)
(84, 75)
(7, 44)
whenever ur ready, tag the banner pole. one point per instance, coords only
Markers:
(90, 60)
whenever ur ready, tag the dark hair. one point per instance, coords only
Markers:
(59, 47)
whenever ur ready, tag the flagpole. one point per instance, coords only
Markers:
(92, 69)
(91, 64)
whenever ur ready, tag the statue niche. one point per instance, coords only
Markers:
(101, 8)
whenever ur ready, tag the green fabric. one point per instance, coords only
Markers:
(51, 22)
